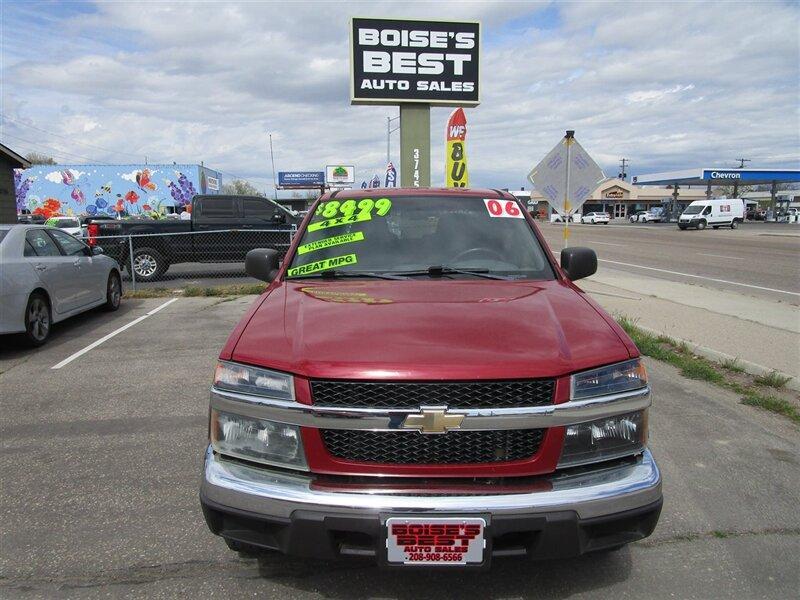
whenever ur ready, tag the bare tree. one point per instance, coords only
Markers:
(240, 187)
(35, 158)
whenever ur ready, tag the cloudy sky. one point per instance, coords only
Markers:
(667, 85)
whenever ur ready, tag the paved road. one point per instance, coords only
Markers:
(101, 463)
(745, 260)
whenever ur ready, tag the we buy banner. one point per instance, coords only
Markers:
(456, 158)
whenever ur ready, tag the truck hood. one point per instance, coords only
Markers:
(428, 330)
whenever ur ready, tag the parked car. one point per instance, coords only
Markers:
(645, 216)
(714, 212)
(29, 218)
(557, 218)
(423, 384)
(70, 225)
(756, 214)
(596, 217)
(46, 276)
(153, 254)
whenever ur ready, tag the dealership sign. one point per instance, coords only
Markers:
(301, 179)
(340, 175)
(396, 61)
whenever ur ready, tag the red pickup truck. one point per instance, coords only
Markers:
(423, 384)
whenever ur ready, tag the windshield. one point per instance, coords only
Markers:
(693, 210)
(413, 233)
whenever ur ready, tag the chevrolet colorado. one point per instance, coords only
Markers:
(423, 384)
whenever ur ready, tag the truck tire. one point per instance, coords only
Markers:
(702, 224)
(148, 264)
(682, 227)
(734, 224)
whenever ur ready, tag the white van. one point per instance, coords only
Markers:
(716, 212)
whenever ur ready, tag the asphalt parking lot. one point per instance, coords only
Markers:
(101, 463)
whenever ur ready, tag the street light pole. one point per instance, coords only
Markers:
(389, 132)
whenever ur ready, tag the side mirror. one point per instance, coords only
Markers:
(578, 262)
(97, 250)
(262, 263)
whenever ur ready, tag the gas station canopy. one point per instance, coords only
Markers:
(712, 176)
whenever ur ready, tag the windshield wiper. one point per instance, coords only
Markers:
(438, 271)
(335, 274)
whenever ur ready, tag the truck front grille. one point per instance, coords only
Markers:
(453, 394)
(453, 447)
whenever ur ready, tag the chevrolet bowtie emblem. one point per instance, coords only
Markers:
(433, 420)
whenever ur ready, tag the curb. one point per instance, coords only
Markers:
(715, 355)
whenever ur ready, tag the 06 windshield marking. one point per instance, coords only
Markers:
(417, 236)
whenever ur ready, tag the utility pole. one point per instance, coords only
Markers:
(623, 162)
(389, 132)
(742, 161)
(272, 158)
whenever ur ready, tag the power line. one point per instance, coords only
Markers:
(23, 124)
(50, 150)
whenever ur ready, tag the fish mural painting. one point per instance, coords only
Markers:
(112, 190)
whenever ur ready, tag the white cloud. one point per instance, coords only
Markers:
(53, 176)
(666, 85)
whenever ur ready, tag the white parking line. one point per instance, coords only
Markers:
(720, 256)
(747, 285)
(105, 338)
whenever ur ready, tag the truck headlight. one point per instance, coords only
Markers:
(611, 379)
(604, 439)
(257, 440)
(253, 380)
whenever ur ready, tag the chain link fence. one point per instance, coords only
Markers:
(180, 259)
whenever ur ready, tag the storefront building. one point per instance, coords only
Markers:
(619, 198)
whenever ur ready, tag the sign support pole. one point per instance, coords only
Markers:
(567, 209)
(415, 145)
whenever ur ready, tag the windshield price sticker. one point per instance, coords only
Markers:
(348, 208)
(503, 208)
(331, 241)
(323, 265)
(443, 541)
(339, 221)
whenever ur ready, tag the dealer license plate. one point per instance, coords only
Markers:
(435, 541)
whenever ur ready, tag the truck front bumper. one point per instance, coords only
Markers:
(556, 516)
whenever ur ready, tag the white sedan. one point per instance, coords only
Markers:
(595, 217)
(46, 276)
(71, 225)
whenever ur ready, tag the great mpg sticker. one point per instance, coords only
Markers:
(323, 265)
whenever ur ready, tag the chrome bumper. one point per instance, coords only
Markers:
(601, 492)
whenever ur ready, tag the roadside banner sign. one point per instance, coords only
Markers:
(391, 176)
(340, 175)
(301, 179)
(376, 181)
(456, 152)
(566, 176)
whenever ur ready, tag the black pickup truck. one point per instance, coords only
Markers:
(221, 229)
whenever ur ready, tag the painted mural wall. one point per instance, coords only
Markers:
(114, 190)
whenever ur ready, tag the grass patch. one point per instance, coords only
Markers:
(225, 290)
(732, 364)
(772, 404)
(772, 379)
(720, 534)
(195, 291)
(680, 355)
